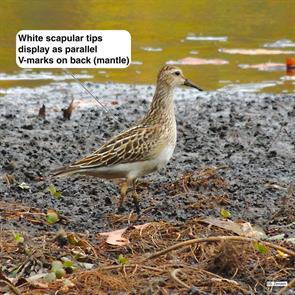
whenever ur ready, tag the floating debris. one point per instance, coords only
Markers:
(283, 43)
(152, 49)
(249, 87)
(137, 62)
(255, 51)
(40, 76)
(206, 38)
(197, 61)
(269, 66)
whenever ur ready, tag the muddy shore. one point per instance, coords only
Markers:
(250, 135)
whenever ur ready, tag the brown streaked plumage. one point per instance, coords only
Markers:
(142, 149)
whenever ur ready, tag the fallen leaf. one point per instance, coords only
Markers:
(68, 263)
(122, 260)
(52, 189)
(52, 216)
(18, 238)
(225, 213)
(240, 228)
(115, 237)
(261, 248)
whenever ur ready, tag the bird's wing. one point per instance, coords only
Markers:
(135, 144)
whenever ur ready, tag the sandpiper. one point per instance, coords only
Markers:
(142, 149)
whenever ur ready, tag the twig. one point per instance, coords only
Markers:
(289, 286)
(111, 267)
(218, 277)
(217, 239)
(11, 286)
(92, 248)
(173, 275)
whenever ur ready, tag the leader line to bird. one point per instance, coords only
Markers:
(104, 107)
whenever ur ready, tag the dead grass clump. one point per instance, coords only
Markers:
(210, 201)
(207, 178)
(14, 211)
(227, 258)
(99, 282)
(194, 257)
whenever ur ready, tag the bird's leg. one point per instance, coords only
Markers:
(135, 197)
(123, 192)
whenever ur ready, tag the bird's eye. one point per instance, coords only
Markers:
(177, 73)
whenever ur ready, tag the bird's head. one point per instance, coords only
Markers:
(173, 76)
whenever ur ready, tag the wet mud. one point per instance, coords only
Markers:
(249, 138)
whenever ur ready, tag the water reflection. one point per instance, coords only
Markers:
(166, 31)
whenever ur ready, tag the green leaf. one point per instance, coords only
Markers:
(261, 248)
(68, 263)
(122, 260)
(52, 216)
(54, 192)
(24, 186)
(19, 238)
(224, 213)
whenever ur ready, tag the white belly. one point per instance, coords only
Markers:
(135, 169)
(141, 168)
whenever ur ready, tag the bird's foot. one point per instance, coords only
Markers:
(136, 204)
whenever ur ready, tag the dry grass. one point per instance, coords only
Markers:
(162, 258)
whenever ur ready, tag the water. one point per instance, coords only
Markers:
(164, 31)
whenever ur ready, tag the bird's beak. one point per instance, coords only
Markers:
(191, 84)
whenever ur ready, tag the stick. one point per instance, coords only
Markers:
(217, 239)
(173, 275)
(11, 287)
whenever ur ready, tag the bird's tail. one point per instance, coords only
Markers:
(64, 171)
